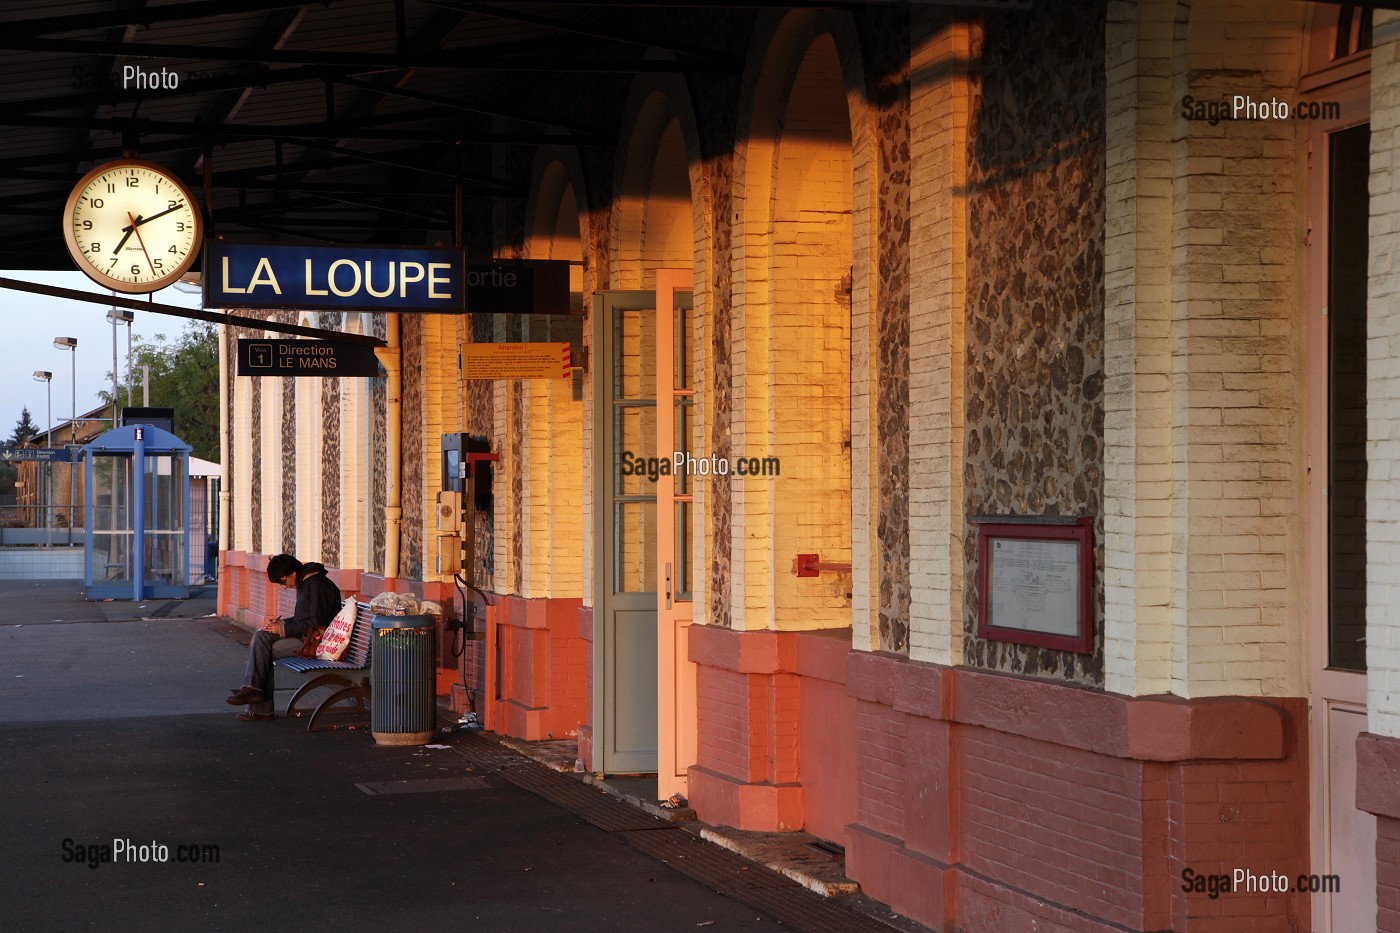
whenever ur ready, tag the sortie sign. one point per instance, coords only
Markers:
(257, 357)
(379, 278)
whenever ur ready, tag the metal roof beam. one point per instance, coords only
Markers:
(13, 166)
(321, 187)
(394, 160)
(317, 202)
(255, 78)
(150, 16)
(335, 223)
(213, 317)
(226, 132)
(495, 12)
(465, 58)
(240, 178)
(466, 107)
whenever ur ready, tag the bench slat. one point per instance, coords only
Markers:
(357, 655)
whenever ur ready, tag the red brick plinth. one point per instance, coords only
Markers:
(1378, 793)
(537, 684)
(980, 801)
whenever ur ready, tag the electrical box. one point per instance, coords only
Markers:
(449, 512)
(449, 555)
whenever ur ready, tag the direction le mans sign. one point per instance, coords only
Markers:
(259, 357)
(362, 278)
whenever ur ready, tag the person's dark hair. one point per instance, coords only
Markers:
(281, 565)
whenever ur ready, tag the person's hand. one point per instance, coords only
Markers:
(275, 627)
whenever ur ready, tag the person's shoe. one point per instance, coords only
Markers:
(256, 717)
(244, 696)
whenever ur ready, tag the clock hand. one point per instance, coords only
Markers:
(126, 236)
(136, 222)
(134, 225)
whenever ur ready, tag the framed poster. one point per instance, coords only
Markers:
(1035, 584)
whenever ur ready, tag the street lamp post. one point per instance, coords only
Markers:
(119, 316)
(71, 344)
(46, 377)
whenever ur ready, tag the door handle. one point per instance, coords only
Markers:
(668, 585)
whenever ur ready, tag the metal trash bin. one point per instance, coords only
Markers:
(403, 676)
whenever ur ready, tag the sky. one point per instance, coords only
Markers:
(33, 321)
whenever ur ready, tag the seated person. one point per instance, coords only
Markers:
(318, 600)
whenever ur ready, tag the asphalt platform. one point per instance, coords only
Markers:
(114, 736)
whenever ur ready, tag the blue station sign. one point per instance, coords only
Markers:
(331, 278)
(380, 278)
(36, 454)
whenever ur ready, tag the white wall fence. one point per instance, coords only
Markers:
(41, 563)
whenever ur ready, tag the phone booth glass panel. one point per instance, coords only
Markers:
(138, 494)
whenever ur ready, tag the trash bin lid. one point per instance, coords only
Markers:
(424, 621)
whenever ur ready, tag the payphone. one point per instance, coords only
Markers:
(466, 491)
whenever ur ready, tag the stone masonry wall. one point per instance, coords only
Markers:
(1034, 378)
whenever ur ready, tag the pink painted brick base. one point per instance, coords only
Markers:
(977, 801)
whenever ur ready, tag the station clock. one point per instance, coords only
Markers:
(132, 226)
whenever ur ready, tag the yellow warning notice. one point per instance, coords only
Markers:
(515, 360)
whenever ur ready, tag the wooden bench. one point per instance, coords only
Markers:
(350, 674)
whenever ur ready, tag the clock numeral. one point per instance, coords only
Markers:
(111, 187)
(174, 204)
(132, 181)
(94, 247)
(87, 225)
(135, 269)
(97, 202)
(157, 263)
(180, 227)
(173, 251)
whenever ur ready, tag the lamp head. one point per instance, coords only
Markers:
(121, 316)
(42, 376)
(66, 343)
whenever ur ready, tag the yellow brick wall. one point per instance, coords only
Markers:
(938, 130)
(792, 337)
(309, 431)
(271, 477)
(1203, 357)
(1383, 390)
(242, 453)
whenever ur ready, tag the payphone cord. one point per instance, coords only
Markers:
(459, 635)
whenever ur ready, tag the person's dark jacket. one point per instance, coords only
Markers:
(318, 600)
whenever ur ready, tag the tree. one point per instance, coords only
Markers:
(185, 377)
(25, 429)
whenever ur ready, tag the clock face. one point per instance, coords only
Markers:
(132, 227)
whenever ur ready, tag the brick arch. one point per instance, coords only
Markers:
(656, 218)
(557, 209)
(798, 181)
(549, 426)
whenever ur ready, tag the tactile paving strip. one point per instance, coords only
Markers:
(597, 807)
(485, 754)
(424, 786)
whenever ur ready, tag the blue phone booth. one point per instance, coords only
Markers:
(138, 506)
